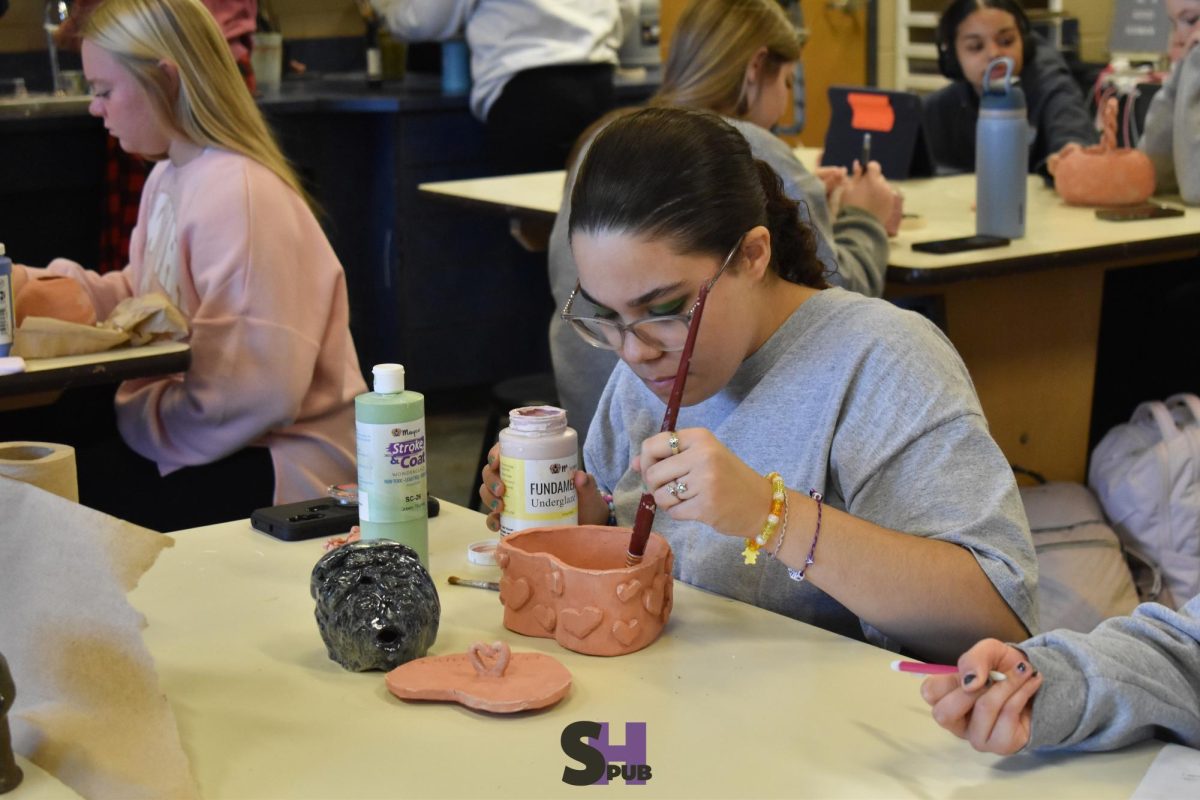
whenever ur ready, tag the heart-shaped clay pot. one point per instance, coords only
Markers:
(486, 677)
(573, 584)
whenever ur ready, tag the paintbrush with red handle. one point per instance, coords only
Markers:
(647, 506)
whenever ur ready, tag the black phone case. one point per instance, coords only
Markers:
(960, 245)
(308, 519)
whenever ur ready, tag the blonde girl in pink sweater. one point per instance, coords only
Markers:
(265, 413)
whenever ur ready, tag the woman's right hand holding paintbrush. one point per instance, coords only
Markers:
(593, 510)
(701, 479)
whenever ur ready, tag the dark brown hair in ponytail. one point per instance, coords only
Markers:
(688, 176)
(793, 243)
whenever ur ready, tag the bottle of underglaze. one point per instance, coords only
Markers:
(538, 458)
(390, 429)
(7, 302)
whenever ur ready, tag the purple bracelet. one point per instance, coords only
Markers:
(798, 574)
(612, 509)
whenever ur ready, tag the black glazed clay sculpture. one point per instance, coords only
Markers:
(10, 773)
(377, 607)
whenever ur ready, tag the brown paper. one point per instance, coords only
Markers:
(135, 321)
(89, 709)
(44, 337)
(148, 317)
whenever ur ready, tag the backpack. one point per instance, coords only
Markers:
(1083, 577)
(1146, 473)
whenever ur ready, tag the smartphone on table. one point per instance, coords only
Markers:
(960, 245)
(1139, 211)
(310, 519)
(307, 519)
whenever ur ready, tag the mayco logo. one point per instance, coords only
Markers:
(587, 743)
(557, 468)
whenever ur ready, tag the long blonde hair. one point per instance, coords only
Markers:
(212, 106)
(713, 43)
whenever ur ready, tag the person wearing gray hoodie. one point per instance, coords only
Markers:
(1131, 678)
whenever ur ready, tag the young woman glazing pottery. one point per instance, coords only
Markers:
(831, 461)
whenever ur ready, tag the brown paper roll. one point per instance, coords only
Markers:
(44, 464)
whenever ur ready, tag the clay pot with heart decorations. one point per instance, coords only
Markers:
(571, 584)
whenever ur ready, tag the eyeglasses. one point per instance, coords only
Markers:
(667, 333)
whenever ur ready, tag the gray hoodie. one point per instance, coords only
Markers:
(1172, 135)
(1131, 678)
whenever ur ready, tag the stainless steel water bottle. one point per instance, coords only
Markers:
(1001, 154)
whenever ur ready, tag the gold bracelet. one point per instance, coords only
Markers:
(778, 498)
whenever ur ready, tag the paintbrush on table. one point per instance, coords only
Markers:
(454, 580)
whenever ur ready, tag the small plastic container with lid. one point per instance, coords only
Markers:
(539, 455)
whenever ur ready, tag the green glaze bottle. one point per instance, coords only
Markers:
(390, 428)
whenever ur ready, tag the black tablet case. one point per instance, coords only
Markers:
(894, 121)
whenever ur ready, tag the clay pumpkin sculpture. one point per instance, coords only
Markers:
(54, 296)
(1104, 174)
(486, 677)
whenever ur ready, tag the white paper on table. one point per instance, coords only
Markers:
(88, 706)
(1175, 773)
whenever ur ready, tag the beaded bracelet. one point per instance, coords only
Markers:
(798, 574)
(612, 509)
(778, 499)
(782, 530)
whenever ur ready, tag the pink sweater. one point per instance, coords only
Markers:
(272, 359)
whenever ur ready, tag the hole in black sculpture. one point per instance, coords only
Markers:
(377, 607)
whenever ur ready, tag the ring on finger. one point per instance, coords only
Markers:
(673, 443)
(678, 489)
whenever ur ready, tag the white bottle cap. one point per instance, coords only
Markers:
(389, 378)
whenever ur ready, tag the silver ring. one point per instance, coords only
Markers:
(680, 487)
(671, 490)
(673, 443)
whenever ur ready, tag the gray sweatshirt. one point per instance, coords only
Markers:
(862, 401)
(1172, 135)
(1131, 678)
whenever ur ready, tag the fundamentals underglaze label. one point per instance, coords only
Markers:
(538, 492)
(391, 471)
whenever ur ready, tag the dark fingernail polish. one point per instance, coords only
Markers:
(1022, 667)
(495, 488)
(968, 679)
(495, 503)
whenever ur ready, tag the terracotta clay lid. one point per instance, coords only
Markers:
(486, 677)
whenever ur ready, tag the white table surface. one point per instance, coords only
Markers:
(737, 701)
(37, 784)
(944, 209)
